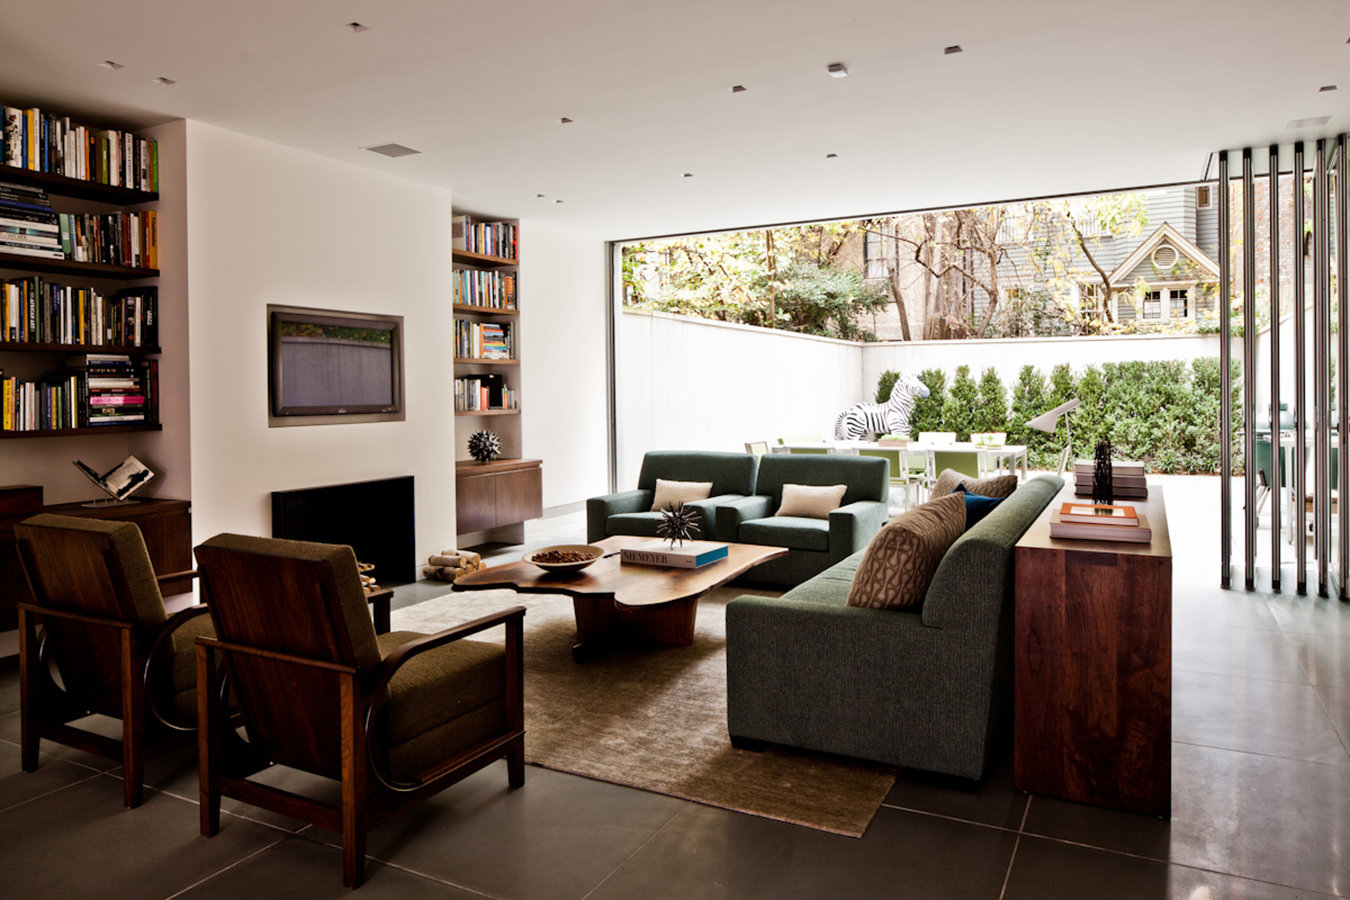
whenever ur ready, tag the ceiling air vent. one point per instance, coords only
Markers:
(393, 151)
(1165, 256)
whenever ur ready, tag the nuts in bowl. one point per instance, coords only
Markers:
(564, 557)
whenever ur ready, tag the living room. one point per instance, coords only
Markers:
(616, 123)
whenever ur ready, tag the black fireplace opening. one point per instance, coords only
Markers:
(374, 517)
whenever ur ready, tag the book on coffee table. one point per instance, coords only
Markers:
(689, 555)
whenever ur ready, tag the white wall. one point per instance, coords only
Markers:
(563, 361)
(1009, 355)
(692, 384)
(266, 224)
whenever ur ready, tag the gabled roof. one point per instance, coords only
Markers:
(1144, 250)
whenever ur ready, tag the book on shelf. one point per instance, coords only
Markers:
(1099, 514)
(44, 142)
(1118, 467)
(497, 239)
(122, 480)
(1137, 534)
(1118, 491)
(689, 555)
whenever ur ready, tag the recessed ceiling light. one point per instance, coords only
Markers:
(161, 80)
(837, 70)
(564, 121)
(831, 155)
(540, 196)
(738, 89)
(688, 174)
(1326, 88)
(557, 201)
(109, 64)
(357, 27)
(1308, 123)
(954, 48)
(393, 151)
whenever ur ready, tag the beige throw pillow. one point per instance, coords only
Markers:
(901, 559)
(811, 501)
(994, 486)
(668, 493)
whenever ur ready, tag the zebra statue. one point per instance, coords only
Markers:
(891, 417)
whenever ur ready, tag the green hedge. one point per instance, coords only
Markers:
(1165, 413)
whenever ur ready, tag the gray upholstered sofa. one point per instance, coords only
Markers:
(630, 512)
(813, 544)
(929, 689)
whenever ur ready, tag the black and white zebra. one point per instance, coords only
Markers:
(891, 417)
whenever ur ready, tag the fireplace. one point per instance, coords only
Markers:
(374, 517)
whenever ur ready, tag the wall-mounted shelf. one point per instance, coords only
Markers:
(71, 267)
(485, 311)
(34, 347)
(479, 259)
(80, 432)
(472, 361)
(489, 412)
(76, 187)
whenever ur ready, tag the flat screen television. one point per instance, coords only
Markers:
(342, 366)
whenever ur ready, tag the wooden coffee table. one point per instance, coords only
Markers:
(611, 598)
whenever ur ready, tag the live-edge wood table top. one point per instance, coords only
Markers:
(629, 584)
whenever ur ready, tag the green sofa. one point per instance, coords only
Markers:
(630, 512)
(813, 544)
(929, 689)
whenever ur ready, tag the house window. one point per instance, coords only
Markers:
(1203, 197)
(874, 254)
(1181, 303)
(1151, 308)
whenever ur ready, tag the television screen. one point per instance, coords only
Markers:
(331, 363)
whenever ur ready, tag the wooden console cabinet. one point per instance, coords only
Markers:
(1093, 665)
(502, 492)
(165, 524)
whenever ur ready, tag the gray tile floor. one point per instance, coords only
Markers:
(1261, 802)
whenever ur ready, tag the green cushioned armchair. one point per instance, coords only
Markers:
(928, 688)
(813, 544)
(630, 512)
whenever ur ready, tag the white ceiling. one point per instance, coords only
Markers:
(1050, 96)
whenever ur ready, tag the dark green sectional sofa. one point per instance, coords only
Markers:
(929, 689)
(630, 512)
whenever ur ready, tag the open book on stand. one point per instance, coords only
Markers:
(119, 482)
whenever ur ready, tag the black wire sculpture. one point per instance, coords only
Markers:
(1103, 492)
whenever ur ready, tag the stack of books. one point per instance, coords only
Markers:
(475, 393)
(116, 239)
(485, 289)
(28, 227)
(1093, 522)
(497, 239)
(117, 391)
(1127, 479)
(33, 310)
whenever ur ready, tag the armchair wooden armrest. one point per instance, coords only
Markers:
(175, 576)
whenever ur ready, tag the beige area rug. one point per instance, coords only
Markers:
(655, 718)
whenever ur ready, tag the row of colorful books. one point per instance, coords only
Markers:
(484, 340)
(488, 289)
(118, 239)
(28, 225)
(475, 393)
(33, 310)
(102, 391)
(44, 142)
(1127, 479)
(488, 238)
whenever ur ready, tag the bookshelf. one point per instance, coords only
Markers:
(101, 298)
(495, 498)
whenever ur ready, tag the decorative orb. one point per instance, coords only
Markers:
(485, 446)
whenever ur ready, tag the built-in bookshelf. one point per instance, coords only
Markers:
(77, 337)
(486, 331)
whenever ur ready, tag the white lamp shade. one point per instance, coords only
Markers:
(1047, 421)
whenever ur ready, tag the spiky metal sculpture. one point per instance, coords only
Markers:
(678, 523)
(485, 446)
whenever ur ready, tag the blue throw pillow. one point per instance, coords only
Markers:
(977, 505)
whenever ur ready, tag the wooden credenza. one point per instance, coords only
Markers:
(1093, 665)
(165, 524)
(496, 494)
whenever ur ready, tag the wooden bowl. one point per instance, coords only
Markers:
(592, 554)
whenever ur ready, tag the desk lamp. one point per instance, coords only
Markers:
(1048, 421)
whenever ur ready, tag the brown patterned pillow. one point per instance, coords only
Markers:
(994, 486)
(900, 561)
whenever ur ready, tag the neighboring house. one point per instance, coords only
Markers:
(1167, 278)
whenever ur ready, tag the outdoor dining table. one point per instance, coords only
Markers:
(1008, 456)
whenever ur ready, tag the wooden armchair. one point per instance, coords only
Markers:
(105, 632)
(393, 717)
